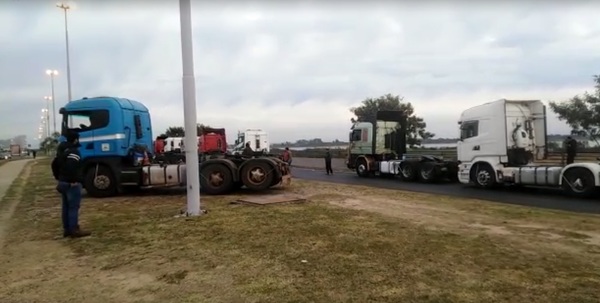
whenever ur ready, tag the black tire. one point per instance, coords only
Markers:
(483, 175)
(100, 181)
(452, 172)
(216, 179)
(579, 182)
(361, 168)
(408, 172)
(429, 172)
(257, 175)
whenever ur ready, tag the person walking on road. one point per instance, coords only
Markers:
(328, 162)
(66, 169)
(571, 147)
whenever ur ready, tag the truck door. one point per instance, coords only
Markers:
(469, 145)
(360, 141)
(79, 121)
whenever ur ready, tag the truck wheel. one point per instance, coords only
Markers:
(408, 172)
(428, 172)
(216, 179)
(483, 176)
(361, 168)
(257, 175)
(100, 181)
(579, 182)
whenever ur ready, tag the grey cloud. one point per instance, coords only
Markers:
(345, 55)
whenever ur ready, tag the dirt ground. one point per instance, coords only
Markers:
(345, 244)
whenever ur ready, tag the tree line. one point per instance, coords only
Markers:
(179, 131)
(581, 113)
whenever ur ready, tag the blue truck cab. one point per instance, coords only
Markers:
(115, 132)
(111, 131)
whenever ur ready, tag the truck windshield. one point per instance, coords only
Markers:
(469, 129)
(84, 120)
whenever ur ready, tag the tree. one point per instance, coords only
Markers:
(49, 144)
(178, 131)
(201, 127)
(582, 113)
(174, 131)
(367, 111)
(20, 140)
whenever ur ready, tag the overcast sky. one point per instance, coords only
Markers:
(295, 69)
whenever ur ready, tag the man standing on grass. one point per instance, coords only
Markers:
(328, 162)
(571, 146)
(66, 169)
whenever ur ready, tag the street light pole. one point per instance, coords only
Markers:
(65, 8)
(48, 99)
(189, 109)
(52, 73)
(47, 122)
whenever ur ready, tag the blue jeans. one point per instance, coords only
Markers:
(71, 201)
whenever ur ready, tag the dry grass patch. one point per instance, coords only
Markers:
(380, 246)
(2, 162)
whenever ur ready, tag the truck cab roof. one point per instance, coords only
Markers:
(104, 102)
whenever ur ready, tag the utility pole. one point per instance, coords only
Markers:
(52, 73)
(65, 8)
(189, 109)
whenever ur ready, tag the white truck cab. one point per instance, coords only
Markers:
(502, 142)
(258, 139)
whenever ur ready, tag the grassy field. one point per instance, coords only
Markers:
(345, 244)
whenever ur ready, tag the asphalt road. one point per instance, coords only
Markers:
(527, 196)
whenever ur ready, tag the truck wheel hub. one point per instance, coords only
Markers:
(257, 175)
(483, 177)
(578, 185)
(101, 182)
(215, 179)
(362, 168)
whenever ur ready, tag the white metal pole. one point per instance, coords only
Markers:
(65, 8)
(189, 109)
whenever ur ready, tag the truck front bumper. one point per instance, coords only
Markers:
(464, 174)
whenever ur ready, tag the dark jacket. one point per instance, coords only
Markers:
(248, 151)
(327, 157)
(70, 169)
(571, 145)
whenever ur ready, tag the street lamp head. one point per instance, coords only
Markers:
(52, 72)
(48, 97)
(63, 6)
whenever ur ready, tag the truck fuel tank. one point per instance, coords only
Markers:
(164, 175)
(536, 175)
